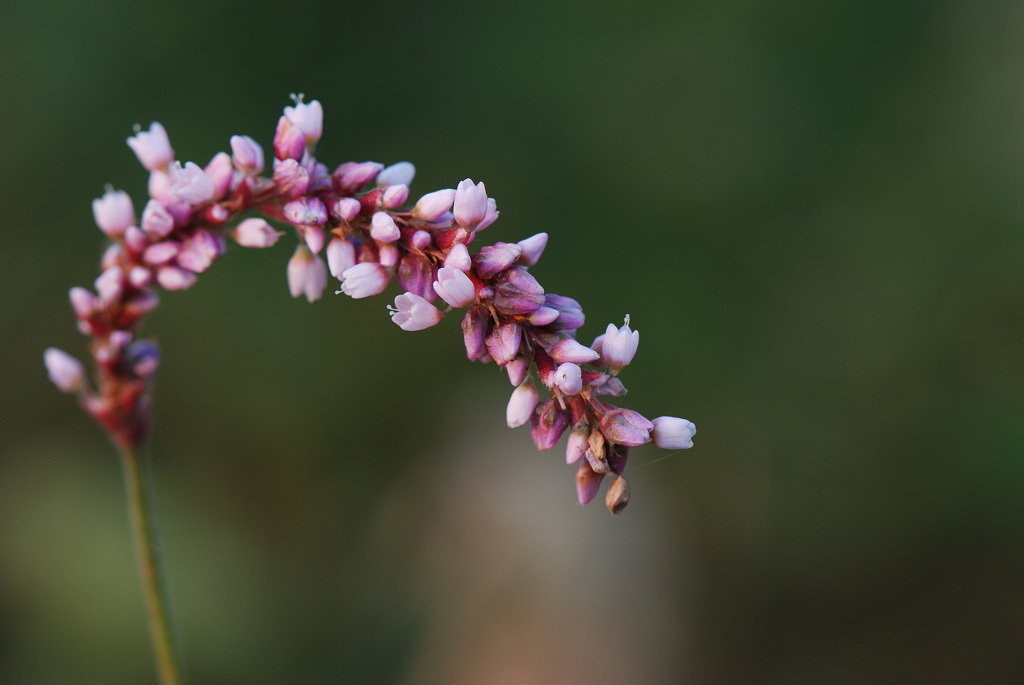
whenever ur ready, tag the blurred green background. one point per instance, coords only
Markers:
(812, 211)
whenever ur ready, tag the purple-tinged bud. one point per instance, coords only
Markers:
(110, 285)
(152, 147)
(549, 422)
(313, 236)
(458, 257)
(474, 330)
(365, 280)
(490, 216)
(161, 253)
(190, 184)
(247, 155)
(156, 220)
(139, 277)
(616, 456)
(533, 248)
(290, 177)
(199, 250)
(141, 304)
(617, 496)
(113, 212)
(503, 342)
(175, 278)
(522, 404)
(454, 287)
(158, 184)
(433, 206)
(570, 315)
(341, 255)
(415, 275)
(470, 203)
(388, 254)
(289, 140)
(306, 211)
(588, 483)
(66, 372)
(626, 427)
(609, 386)
(351, 176)
(619, 345)
(568, 379)
(399, 173)
(111, 256)
(383, 228)
(221, 172)
(517, 292)
(671, 433)
(346, 209)
(413, 313)
(493, 259)
(255, 232)
(135, 239)
(420, 240)
(143, 356)
(395, 196)
(569, 350)
(307, 274)
(82, 301)
(517, 369)
(543, 316)
(308, 118)
(577, 445)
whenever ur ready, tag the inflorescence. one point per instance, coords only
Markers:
(358, 218)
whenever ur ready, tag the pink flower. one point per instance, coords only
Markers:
(307, 274)
(454, 287)
(346, 209)
(152, 147)
(113, 212)
(66, 372)
(255, 232)
(619, 345)
(568, 378)
(199, 251)
(190, 184)
(470, 203)
(306, 211)
(365, 280)
(413, 313)
(156, 220)
(308, 118)
(247, 155)
(522, 404)
(673, 434)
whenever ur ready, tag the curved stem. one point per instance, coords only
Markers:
(146, 537)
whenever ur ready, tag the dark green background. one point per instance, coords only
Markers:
(812, 211)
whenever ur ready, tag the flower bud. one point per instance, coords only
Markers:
(577, 445)
(346, 209)
(247, 155)
(568, 379)
(433, 206)
(493, 259)
(175, 278)
(474, 331)
(673, 434)
(522, 404)
(156, 220)
(587, 482)
(399, 173)
(66, 372)
(384, 229)
(221, 172)
(626, 427)
(351, 176)
(517, 369)
(549, 422)
(459, 258)
(570, 350)
(307, 274)
(532, 248)
(470, 203)
(454, 287)
(517, 292)
(113, 212)
(82, 301)
(341, 255)
(503, 342)
(395, 196)
(255, 232)
(152, 147)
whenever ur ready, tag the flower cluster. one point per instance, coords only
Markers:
(358, 218)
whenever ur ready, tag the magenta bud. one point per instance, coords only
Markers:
(626, 427)
(395, 196)
(517, 369)
(399, 173)
(314, 237)
(346, 209)
(503, 342)
(490, 216)
(113, 212)
(517, 292)
(220, 171)
(365, 280)
(458, 257)
(532, 248)
(351, 176)
(139, 277)
(454, 287)
(568, 379)
(175, 278)
(588, 483)
(307, 274)
(255, 232)
(305, 211)
(152, 147)
(383, 228)
(289, 141)
(199, 251)
(577, 445)
(341, 255)
(135, 239)
(433, 206)
(474, 330)
(549, 422)
(493, 259)
(156, 220)
(673, 434)
(290, 177)
(161, 253)
(247, 155)
(610, 386)
(66, 372)
(521, 405)
(569, 350)
(110, 285)
(570, 314)
(388, 254)
(619, 345)
(470, 203)
(415, 275)
(414, 313)
(543, 316)
(82, 301)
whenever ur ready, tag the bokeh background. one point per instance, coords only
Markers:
(812, 211)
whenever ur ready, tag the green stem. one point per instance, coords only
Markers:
(146, 537)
